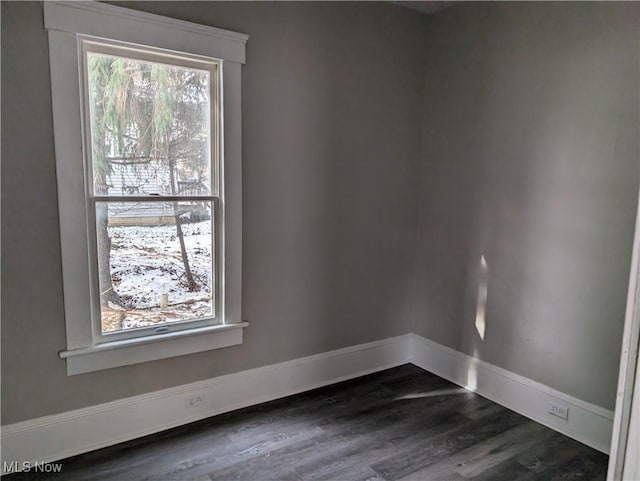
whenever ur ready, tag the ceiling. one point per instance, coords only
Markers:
(427, 6)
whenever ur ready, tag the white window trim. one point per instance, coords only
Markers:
(64, 22)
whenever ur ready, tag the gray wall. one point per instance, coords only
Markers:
(530, 159)
(528, 121)
(332, 99)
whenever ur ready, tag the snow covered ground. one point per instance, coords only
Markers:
(146, 263)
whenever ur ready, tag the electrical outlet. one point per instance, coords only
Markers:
(560, 410)
(194, 400)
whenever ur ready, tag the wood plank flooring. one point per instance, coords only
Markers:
(396, 425)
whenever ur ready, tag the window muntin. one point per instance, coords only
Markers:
(151, 121)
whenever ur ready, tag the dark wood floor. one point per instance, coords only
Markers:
(399, 424)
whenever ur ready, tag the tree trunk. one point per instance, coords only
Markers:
(107, 292)
(191, 283)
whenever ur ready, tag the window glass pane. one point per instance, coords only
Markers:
(155, 263)
(150, 131)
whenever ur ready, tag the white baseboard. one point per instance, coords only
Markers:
(587, 423)
(59, 436)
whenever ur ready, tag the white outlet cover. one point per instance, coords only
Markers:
(558, 409)
(194, 400)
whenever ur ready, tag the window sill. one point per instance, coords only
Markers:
(159, 346)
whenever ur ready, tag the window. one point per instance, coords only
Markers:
(151, 171)
(150, 206)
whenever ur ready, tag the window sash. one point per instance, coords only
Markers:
(94, 281)
(87, 45)
(115, 48)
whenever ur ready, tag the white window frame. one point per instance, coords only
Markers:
(214, 68)
(67, 24)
